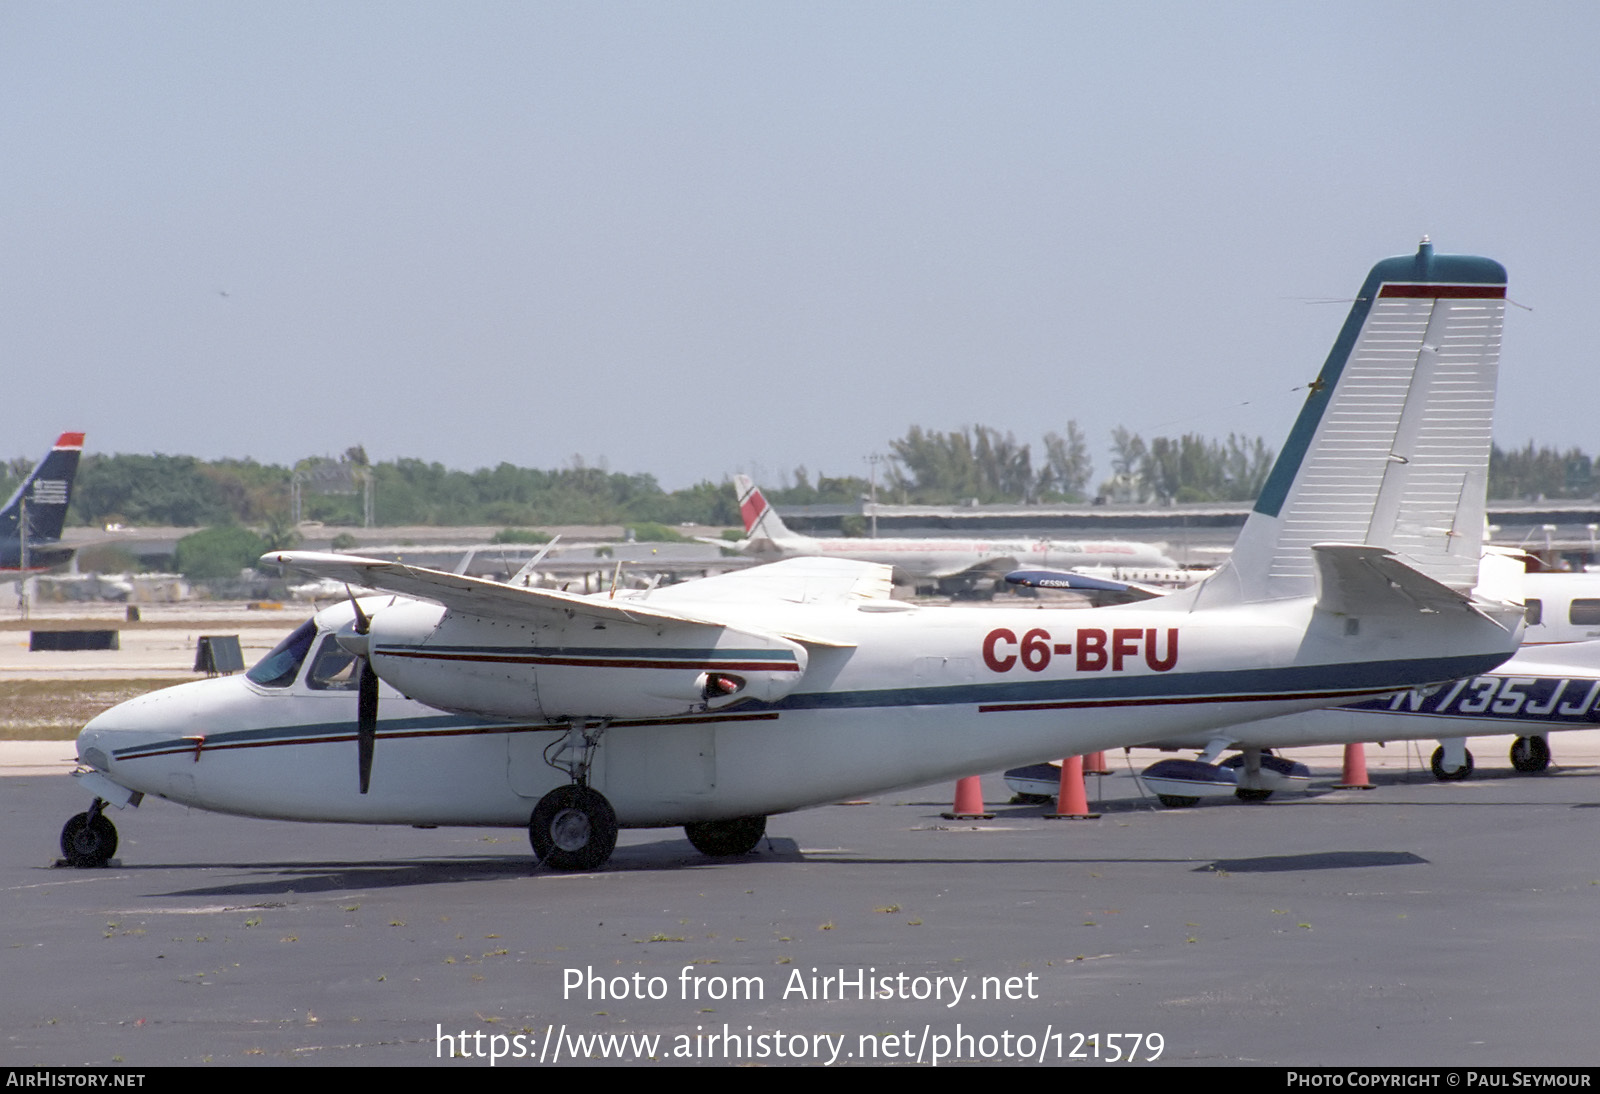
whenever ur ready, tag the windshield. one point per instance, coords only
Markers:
(279, 668)
(333, 669)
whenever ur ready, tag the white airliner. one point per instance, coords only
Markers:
(957, 563)
(716, 703)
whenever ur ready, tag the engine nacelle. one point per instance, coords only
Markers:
(576, 668)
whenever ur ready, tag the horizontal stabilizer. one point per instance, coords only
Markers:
(1356, 580)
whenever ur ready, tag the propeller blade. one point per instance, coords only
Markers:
(363, 620)
(366, 722)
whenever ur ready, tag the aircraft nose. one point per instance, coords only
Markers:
(171, 713)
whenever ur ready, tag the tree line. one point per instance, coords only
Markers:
(975, 463)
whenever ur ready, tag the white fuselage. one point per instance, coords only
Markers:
(886, 696)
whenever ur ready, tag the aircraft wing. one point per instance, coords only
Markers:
(473, 595)
(796, 581)
(1129, 591)
(792, 581)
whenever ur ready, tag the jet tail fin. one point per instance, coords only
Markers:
(761, 521)
(46, 491)
(1392, 446)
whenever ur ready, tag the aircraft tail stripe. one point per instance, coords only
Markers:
(1452, 292)
(751, 509)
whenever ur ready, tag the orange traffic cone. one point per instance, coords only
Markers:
(969, 801)
(1095, 764)
(1071, 801)
(1355, 769)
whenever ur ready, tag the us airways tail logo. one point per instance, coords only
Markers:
(1093, 648)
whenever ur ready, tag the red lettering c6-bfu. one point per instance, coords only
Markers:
(1095, 649)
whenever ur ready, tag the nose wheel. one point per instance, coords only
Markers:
(88, 839)
(573, 828)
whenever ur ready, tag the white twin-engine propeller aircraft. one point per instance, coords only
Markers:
(713, 704)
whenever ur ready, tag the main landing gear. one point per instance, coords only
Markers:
(1530, 755)
(88, 839)
(1445, 774)
(573, 828)
(726, 837)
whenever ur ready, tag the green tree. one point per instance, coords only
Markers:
(218, 552)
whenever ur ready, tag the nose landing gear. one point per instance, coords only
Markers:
(88, 839)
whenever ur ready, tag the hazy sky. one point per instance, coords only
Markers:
(689, 238)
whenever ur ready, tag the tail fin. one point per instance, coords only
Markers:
(47, 491)
(761, 521)
(1392, 446)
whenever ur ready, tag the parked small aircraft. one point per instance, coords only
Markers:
(41, 501)
(1541, 690)
(716, 703)
(956, 564)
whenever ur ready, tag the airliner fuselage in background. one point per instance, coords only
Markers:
(933, 559)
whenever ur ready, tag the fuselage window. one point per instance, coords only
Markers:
(1584, 613)
(1533, 612)
(279, 668)
(333, 669)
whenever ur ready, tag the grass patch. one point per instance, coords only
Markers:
(55, 710)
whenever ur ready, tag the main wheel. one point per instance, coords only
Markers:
(1247, 794)
(1177, 801)
(573, 828)
(88, 840)
(1437, 764)
(726, 837)
(1530, 754)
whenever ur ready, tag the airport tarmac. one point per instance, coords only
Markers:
(1417, 923)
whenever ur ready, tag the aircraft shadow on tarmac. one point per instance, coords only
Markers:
(1320, 860)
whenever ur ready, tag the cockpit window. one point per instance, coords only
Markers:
(279, 668)
(333, 669)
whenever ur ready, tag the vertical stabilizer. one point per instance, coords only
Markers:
(761, 521)
(47, 491)
(1392, 446)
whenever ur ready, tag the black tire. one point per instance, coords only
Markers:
(1530, 755)
(88, 841)
(1437, 764)
(726, 837)
(1246, 794)
(573, 828)
(1177, 801)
